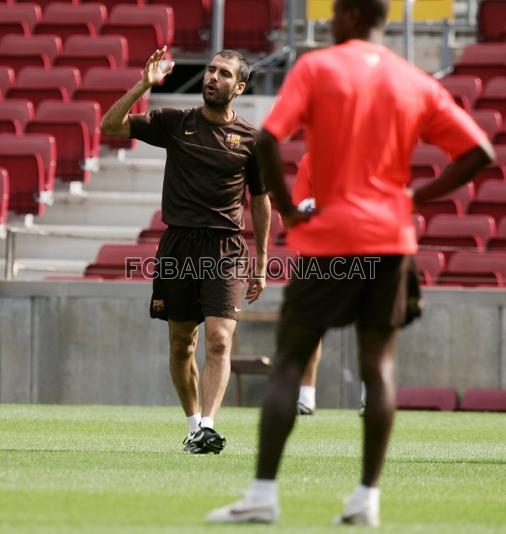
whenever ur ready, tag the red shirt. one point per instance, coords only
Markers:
(364, 109)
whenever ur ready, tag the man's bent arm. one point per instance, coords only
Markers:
(260, 207)
(456, 174)
(115, 121)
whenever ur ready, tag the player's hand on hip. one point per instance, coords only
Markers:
(255, 287)
(157, 67)
(294, 217)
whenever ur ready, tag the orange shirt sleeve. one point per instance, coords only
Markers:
(302, 188)
(293, 102)
(448, 126)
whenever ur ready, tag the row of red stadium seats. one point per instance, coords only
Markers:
(492, 21)
(186, 23)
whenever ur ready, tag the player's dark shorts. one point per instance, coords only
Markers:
(201, 272)
(371, 290)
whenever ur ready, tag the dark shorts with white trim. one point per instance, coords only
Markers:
(381, 291)
(200, 272)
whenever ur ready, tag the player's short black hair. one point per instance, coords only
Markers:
(244, 70)
(374, 12)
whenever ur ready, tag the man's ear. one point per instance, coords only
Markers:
(239, 90)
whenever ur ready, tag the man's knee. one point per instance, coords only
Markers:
(182, 343)
(218, 344)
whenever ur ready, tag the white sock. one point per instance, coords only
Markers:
(307, 396)
(264, 490)
(207, 422)
(366, 493)
(193, 422)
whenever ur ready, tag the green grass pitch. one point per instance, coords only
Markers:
(111, 470)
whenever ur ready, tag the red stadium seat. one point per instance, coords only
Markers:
(18, 111)
(501, 229)
(291, 153)
(475, 269)
(435, 207)
(491, 20)
(425, 154)
(419, 224)
(86, 52)
(145, 28)
(4, 195)
(244, 31)
(7, 78)
(492, 172)
(424, 171)
(154, 232)
(493, 191)
(192, 23)
(444, 399)
(9, 28)
(113, 261)
(481, 226)
(19, 51)
(486, 61)
(44, 3)
(469, 87)
(64, 30)
(278, 8)
(94, 13)
(490, 121)
(30, 161)
(429, 264)
(87, 112)
(110, 4)
(28, 13)
(494, 96)
(484, 400)
(105, 86)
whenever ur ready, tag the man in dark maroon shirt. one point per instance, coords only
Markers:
(201, 257)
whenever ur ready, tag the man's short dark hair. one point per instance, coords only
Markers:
(374, 12)
(243, 71)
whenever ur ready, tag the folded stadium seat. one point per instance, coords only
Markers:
(498, 243)
(492, 172)
(4, 195)
(444, 399)
(494, 96)
(475, 269)
(435, 207)
(484, 400)
(146, 29)
(27, 14)
(19, 51)
(490, 121)
(8, 28)
(422, 170)
(120, 261)
(39, 84)
(429, 264)
(291, 152)
(67, 19)
(463, 194)
(14, 114)
(192, 23)
(7, 78)
(468, 88)
(491, 20)
(44, 3)
(105, 86)
(486, 61)
(30, 160)
(244, 31)
(85, 52)
(87, 112)
(154, 232)
(110, 4)
(425, 154)
(419, 224)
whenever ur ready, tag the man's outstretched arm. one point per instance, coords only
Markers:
(115, 120)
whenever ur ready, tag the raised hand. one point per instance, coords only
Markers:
(157, 68)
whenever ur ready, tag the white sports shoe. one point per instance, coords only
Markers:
(246, 510)
(360, 511)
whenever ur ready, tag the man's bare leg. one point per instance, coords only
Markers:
(183, 367)
(219, 334)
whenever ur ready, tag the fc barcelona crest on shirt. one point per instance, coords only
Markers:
(233, 140)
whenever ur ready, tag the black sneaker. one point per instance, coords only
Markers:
(204, 441)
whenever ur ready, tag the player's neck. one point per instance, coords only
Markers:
(218, 115)
(374, 36)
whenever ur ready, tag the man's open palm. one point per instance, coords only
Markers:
(157, 68)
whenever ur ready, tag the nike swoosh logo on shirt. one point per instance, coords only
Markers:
(190, 132)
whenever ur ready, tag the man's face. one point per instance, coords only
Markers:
(220, 82)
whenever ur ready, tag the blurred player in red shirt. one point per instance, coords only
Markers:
(363, 109)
